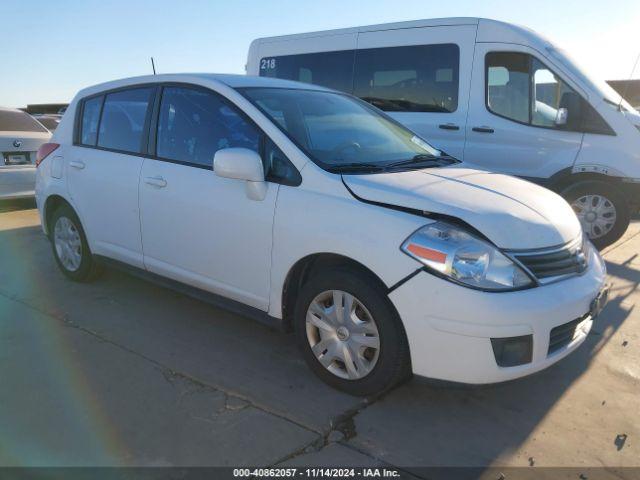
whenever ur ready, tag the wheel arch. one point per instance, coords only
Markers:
(308, 266)
(50, 205)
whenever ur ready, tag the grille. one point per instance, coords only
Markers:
(568, 260)
(562, 335)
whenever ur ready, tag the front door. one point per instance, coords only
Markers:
(513, 122)
(199, 228)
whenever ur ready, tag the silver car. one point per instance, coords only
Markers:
(20, 137)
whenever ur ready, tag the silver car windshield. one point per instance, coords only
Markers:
(339, 131)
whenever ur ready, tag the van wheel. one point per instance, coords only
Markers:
(70, 247)
(350, 334)
(603, 212)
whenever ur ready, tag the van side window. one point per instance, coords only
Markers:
(193, 125)
(521, 88)
(508, 85)
(123, 118)
(90, 118)
(418, 78)
(329, 69)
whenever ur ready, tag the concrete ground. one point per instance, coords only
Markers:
(122, 372)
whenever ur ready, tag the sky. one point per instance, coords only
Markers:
(51, 49)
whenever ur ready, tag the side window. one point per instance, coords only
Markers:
(508, 85)
(550, 93)
(123, 119)
(419, 78)
(329, 69)
(522, 88)
(193, 125)
(90, 118)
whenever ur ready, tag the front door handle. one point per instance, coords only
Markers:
(448, 126)
(155, 181)
(76, 164)
(483, 129)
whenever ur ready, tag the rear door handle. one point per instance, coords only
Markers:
(155, 181)
(483, 129)
(76, 164)
(448, 126)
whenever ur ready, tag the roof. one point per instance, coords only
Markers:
(230, 80)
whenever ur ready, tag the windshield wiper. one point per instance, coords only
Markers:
(423, 160)
(356, 167)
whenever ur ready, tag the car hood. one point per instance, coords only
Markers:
(512, 213)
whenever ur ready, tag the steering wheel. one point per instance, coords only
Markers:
(343, 146)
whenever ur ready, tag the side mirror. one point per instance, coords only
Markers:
(562, 115)
(571, 104)
(242, 164)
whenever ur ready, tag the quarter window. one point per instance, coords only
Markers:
(123, 119)
(90, 119)
(418, 78)
(193, 125)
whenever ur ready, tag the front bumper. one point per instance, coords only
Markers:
(449, 327)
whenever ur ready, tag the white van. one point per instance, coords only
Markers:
(498, 96)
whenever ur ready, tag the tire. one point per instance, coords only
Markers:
(582, 197)
(373, 371)
(70, 247)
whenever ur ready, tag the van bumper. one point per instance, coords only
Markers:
(450, 327)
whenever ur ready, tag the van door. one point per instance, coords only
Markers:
(515, 123)
(103, 171)
(421, 77)
(198, 228)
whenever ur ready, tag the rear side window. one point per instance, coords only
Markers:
(90, 119)
(123, 119)
(329, 69)
(418, 78)
(193, 125)
(17, 121)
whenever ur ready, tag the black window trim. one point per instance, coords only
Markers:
(531, 80)
(149, 137)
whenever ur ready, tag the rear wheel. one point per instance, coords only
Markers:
(603, 212)
(350, 334)
(70, 247)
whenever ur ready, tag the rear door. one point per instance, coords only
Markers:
(512, 127)
(103, 170)
(421, 77)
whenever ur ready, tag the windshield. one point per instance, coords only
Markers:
(608, 94)
(339, 131)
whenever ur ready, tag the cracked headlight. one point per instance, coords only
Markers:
(453, 252)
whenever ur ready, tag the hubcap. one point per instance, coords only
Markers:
(342, 334)
(68, 245)
(596, 213)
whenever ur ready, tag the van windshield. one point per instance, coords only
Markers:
(608, 94)
(342, 133)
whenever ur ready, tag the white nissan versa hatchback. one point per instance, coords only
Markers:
(308, 208)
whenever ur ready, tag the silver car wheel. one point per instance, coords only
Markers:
(68, 245)
(596, 213)
(342, 334)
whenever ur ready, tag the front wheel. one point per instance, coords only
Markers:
(603, 212)
(350, 334)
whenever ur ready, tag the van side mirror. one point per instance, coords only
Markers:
(242, 164)
(570, 112)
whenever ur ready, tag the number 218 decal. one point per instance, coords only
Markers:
(267, 64)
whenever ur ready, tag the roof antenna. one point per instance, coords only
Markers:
(626, 87)
(153, 66)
